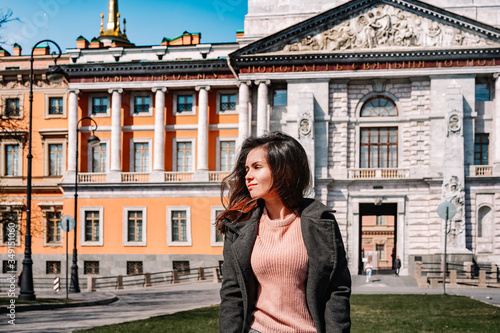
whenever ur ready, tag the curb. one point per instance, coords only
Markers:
(41, 307)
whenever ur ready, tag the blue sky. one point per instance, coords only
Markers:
(148, 21)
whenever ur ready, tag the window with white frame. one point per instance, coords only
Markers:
(10, 221)
(54, 147)
(184, 103)
(179, 226)
(12, 159)
(226, 154)
(140, 155)
(55, 105)
(99, 105)
(53, 228)
(12, 108)
(141, 104)
(99, 157)
(216, 238)
(183, 155)
(227, 101)
(91, 226)
(134, 226)
(379, 147)
(55, 161)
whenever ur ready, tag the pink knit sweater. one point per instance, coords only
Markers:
(279, 261)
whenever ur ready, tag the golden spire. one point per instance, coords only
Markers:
(112, 32)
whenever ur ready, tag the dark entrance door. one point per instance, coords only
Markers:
(378, 230)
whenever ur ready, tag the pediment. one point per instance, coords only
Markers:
(375, 26)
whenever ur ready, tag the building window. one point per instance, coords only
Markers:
(182, 267)
(184, 157)
(227, 102)
(184, 103)
(53, 227)
(92, 221)
(481, 145)
(55, 159)
(12, 160)
(179, 226)
(91, 267)
(99, 158)
(99, 105)
(10, 226)
(134, 267)
(380, 251)
(56, 105)
(141, 157)
(226, 155)
(379, 106)
(379, 147)
(141, 104)
(134, 226)
(53, 267)
(9, 266)
(216, 238)
(482, 92)
(279, 97)
(12, 109)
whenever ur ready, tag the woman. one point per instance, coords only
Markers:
(285, 268)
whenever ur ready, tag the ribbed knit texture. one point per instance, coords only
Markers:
(279, 261)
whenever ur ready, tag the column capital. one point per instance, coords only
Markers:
(198, 88)
(496, 75)
(75, 91)
(118, 90)
(266, 82)
(155, 89)
(248, 83)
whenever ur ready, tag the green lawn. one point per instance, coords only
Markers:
(369, 313)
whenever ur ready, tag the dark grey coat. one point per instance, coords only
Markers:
(328, 284)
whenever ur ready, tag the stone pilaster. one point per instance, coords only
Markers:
(116, 135)
(495, 140)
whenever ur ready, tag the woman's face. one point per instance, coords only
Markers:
(259, 178)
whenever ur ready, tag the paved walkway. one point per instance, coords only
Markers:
(143, 303)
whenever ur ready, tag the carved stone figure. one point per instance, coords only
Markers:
(453, 192)
(434, 37)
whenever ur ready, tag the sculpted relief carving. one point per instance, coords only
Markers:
(387, 27)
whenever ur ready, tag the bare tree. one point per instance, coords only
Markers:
(5, 17)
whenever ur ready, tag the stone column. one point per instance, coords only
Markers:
(72, 123)
(262, 107)
(159, 144)
(243, 113)
(116, 135)
(202, 140)
(495, 140)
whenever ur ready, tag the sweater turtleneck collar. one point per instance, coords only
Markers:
(278, 222)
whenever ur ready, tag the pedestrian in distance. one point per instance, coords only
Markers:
(397, 265)
(285, 267)
(368, 271)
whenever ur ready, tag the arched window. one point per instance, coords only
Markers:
(483, 221)
(379, 106)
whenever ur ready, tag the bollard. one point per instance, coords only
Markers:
(418, 269)
(201, 274)
(175, 276)
(119, 282)
(434, 283)
(482, 279)
(453, 279)
(147, 280)
(494, 271)
(468, 270)
(91, 282)
(56, 284)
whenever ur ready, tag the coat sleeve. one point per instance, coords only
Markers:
(337, 310)
(231, 308)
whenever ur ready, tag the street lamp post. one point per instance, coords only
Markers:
(93, 141)
(54, 74)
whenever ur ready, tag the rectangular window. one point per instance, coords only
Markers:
(53, 267)
(92, 226)
(12, 160)
(481, 147)
(482, 92)
(219, 238)
(380, 251)
(141, 157)
(226, 155)
(91, 267)
(12, 107)
(184, 103)
(99, 158)
(179, 226)
(182, 267)
(10, 226)
(53, 227)
(134, 267)
(379, 148)
(280, 97)
(99, 105)
(55, 105)
(134, 226)
(184, 158)
(141, 104)
(55, 159)
(227, 102)
(9, 266)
